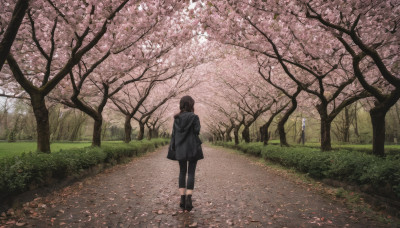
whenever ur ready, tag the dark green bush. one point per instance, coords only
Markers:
(19, 173)
(344, 165)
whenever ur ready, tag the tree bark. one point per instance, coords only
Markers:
(282, 134)
(356, 121)
(282, 122)
(98, 121)
(12, 29)
(236, 134)
(228, 137)
(246, 134)
(326, 134)
(222, 135)
(378, 131)
(397, 113)
(264, 134)
(128, 129)
(149, 133)
(42, 123)
(141, 131)
(325, 127)
(156, 133)
(346, 130)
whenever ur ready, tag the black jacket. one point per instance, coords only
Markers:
(185, 143)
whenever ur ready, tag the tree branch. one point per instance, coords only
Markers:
(12, 29)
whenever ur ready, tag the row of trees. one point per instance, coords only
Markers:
(291, 55)
(327, 54)
(138, 54)
(17, 122)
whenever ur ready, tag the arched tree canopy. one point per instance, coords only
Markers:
(248, 64)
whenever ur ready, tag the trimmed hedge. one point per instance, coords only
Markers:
(32, 170)
(389, 149)
(380, 174)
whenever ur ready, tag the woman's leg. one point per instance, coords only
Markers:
(182, 182)
(182, 176)
(191, 174)
(190, 185)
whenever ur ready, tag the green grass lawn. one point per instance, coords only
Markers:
(16, 148)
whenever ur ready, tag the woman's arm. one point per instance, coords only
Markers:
(197, 125)
(172, 142)
(173, 133)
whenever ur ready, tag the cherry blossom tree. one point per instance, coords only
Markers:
(244, 95)
(293, 100)
(155, 101)
(215, 127)
(258, 59)
(157, 120)
(251, 105)
(172, 76)
(56, 41)
(222, 122)
(62, 34)
(369, 33)
(264, 129)
(274, 32)
(132, 103)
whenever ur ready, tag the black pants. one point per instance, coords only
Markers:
(183, 169)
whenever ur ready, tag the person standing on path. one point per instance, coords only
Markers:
(185, 147)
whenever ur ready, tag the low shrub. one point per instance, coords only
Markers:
(344, 165)
(30, 170)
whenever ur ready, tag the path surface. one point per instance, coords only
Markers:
(230, 190)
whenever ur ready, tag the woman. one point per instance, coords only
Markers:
(185, 146)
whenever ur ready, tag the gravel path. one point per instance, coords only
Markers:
(230, 190)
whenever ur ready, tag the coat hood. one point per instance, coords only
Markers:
(184, 121)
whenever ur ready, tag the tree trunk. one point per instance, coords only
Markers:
(264, 134)
(356, 121)
(282, 134)
(281, 123)
(96, 141)
(397, 113)
(228, 137)
(346, 130)
(42, 123)
(149, 133)
(295, 130)
(326, 134)
(236, 133)
(325, 127)
(246, 134)
(378, 131)
(128, 129)
(156, 132)
(141, 131)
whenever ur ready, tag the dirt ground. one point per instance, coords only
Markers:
(230, 190)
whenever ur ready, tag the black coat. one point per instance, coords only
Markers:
(185, 143)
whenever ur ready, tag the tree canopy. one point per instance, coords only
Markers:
(242, 61)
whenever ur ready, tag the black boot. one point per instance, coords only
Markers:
(182, 204)
(189, 205)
